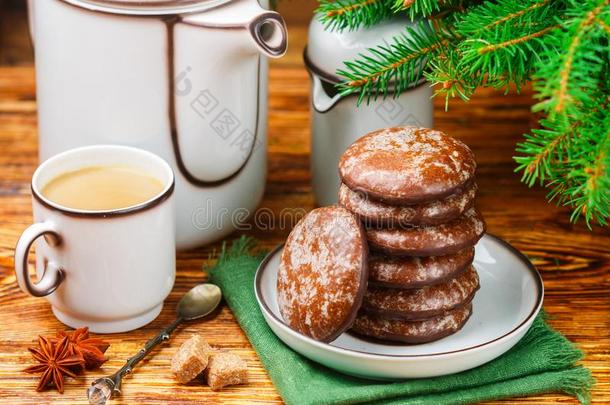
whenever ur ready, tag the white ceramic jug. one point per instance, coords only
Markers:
(185, 79)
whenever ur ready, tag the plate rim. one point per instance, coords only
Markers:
(264, 307)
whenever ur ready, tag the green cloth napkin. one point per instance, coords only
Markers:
(542, 362)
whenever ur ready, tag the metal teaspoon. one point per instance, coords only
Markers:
(200, 301)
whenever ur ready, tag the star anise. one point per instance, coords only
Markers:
(56, 360)
(91, 349)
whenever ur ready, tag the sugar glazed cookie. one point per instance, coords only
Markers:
(411, 272)
(407, 165)
(377, 213)
(422, 303)
(323, 273)
(412, 332)
(444, 239)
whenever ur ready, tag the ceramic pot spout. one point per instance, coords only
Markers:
(260, 30)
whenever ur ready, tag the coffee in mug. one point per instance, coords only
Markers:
(102, 188)
(104, 229)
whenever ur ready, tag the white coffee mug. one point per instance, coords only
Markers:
(109, 270)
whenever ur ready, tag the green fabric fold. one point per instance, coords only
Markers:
(543, 361)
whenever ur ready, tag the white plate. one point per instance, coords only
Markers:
(504, 308)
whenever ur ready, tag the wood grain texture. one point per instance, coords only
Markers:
(575, 262)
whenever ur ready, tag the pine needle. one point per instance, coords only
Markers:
(353, 14)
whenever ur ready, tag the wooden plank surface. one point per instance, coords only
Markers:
(574, 262)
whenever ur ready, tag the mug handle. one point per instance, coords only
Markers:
(52, 276)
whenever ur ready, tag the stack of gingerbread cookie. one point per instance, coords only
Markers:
(414, 191)
(393, 261)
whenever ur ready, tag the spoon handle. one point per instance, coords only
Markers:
(104, 388)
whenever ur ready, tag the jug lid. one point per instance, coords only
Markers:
(147, 7)
(327, 50)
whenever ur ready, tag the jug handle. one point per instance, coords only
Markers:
(275, 46)
(321, 101)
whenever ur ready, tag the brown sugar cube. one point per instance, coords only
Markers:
(225, 369)
(191, 359)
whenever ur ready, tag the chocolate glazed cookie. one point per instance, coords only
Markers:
(407, 165)
(323, 273)
(440, 240)
(412, 332)
(415, 272)
(423, 303)
(377, 213)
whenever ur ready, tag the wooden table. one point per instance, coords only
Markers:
(574, 261)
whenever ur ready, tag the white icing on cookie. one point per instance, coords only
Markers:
(323, 272)
(420, 303)
(407, 165)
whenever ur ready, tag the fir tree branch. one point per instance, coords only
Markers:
(503, 40)
(449, 80)
(569, 61)
(398, 65)
(508, 60)
(425, 8)
(464, 44)
(572, 80)
(353, 14)
(391, 66)
(544, 150)
(587, 184)
(494, 20)
(515, 41)
(596, 199)
(566, 81)
(346, 9)
(574, 164)
(516, 14)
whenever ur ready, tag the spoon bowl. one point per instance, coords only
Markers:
(200, 301)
